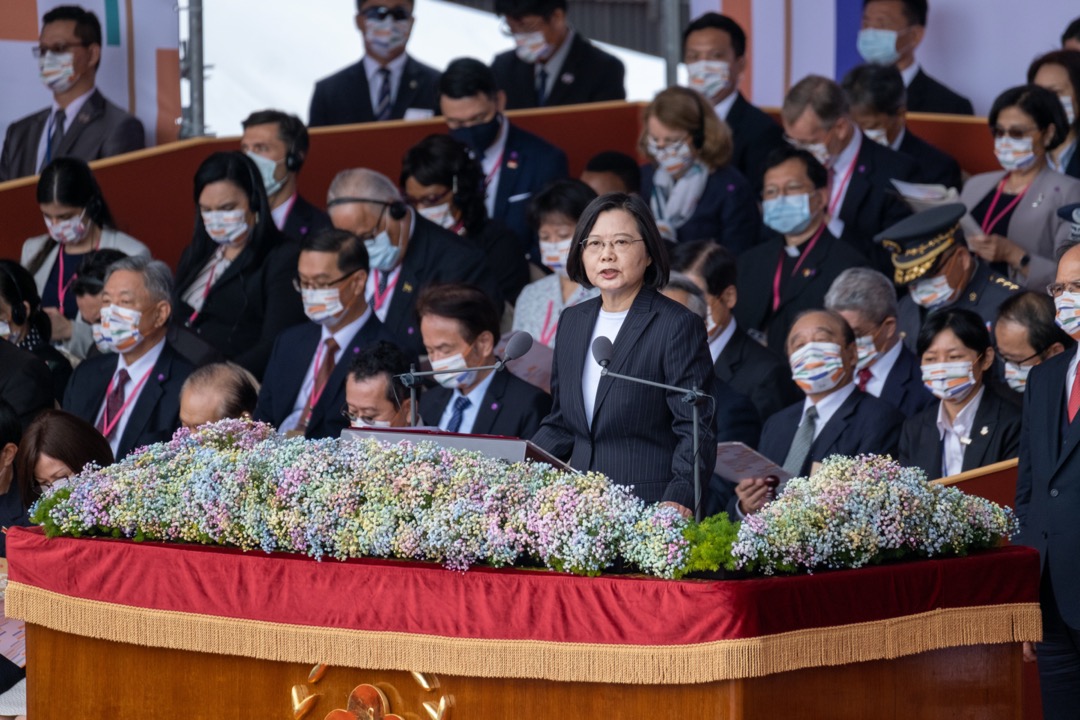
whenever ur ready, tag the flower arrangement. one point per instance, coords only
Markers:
(238, 483)
(867, 509)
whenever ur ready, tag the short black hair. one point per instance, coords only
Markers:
(523, 8)
(87, 25)
(716, 21)
(360, 4)
(442, 160)
(90, 279)
(656, 274)
(878, 88)
(10, 427)
(1035, 311)
(17, 286)
(238, 169)
(562, 197)
(817, 173)
(619, 164)
(914, 10)
(1038, 103)
(718, 269)
(1072, 32)
(291, 131)
(382, 358)
(351, 252)
(467, 77)
(1068, 59)
(473, 310)
(968, 327)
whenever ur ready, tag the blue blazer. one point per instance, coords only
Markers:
(156, 414)
(345, 96)
(529, 164)
(727, 211)
(639, 436)
(511, 407)
(289, 361)
(904, 388)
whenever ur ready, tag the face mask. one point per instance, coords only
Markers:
(5, 330)
(817, 367)
(932, 292)
(674, 158)
(709, 77)
(868, 352)
(438, 214)
(225, 226)
(788, 214)
(819, 150)
(1068, 313)
(382, 253)
(322, 305)
(120, 328)
(1070, 110)
(479, 138)
(878, 46)
(949, 380)
(878, 135)
(1016, 375)
(70, 231)
(554, 255)
(360, 424)
(267, 168)
(451, 380)
(57, 71)
(103, 345)
(386, 36)
(531, 47)
(1014, 154)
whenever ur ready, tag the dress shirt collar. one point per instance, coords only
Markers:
(494, 153)
(880, 369)
(909, 73)
(961, 425)
(73, 107)
(724, 106)
(718, 343)
(143, 365)
(395, 66)
(828, 405)
(346, 333)
(280, 214)
(895, 144)
(553, 65)
(847, 155)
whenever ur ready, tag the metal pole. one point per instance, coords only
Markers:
(197, 68)
(671, 15)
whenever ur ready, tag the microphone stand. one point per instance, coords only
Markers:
(411, 380)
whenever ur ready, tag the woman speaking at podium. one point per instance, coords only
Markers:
(635, 434)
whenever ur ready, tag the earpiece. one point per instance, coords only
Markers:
(18, 308)
(293, 160)
(397, 209)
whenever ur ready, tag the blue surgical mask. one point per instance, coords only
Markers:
(878, 46)
(267, 168)
(788, 214)
(382, 253)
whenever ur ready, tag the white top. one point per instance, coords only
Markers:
(554, 64)
(957, 434)
(724, 106)
(491, 164)
(827, 406)
(374, 80)
(841, 177)
(879, 371)
(343, 337)
(136, 371)
(718, 343)
(607, 325)
(280, 214)
(196, 293)
(909, 74)
(70, 113)
(468, 415)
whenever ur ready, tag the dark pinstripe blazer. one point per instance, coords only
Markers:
(640, 436)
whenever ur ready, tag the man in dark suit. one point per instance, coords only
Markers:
(885, 367)
(878, 104)
(551, 64)
(278, 145)
(516, 164)
(862, 200)
(25, 383)
(891, 31)
(375, 396)
(1048, 500)
(793, 268)
(81, 122)
(406, 251)
(836, 418)
(714, 50)
(132, 395)
(303, 390)
(460, 327)
(387, 83)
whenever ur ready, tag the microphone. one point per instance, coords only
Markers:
(518, 344)
(602, 351)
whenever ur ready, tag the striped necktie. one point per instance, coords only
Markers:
(382, 108)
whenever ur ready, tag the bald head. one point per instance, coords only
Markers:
(217, 391)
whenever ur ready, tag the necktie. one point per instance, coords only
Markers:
(541, 86)
(322, 377)
(459, 412)
(382, 107)
(381, 279)
(800, 445)
(863, 378)
(114, 404)
(53, 144)
(1074, 397)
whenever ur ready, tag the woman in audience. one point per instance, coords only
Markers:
(86, 338)
(554, 213)
(234, 282)
(1017, 207)
(12, 510)
(971, 426)
(1059, 72)
(56, 446)
(444, 183)
(78, 222)
(693, 189)
(24, 322)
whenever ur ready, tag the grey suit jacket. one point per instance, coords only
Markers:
(1034, 225)
(100, 130)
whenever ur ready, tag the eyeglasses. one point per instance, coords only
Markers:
(620, 245)
(369, 420)
(55, 49)
(1018, 363)
(1014, 132)
(772, 192)
(426, 200)
(300, 285)
(381, 12)
(1055, 290)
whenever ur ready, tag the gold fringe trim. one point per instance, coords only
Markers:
(564, 662)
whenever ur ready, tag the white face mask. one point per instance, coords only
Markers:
(360, 423)
(120, 328)
(386, 36)
(709, 77)
(1014, 154)
(868, 352)
(878, 46)
(554, 254)
(103, 345)
(1070, 109)
(267, 170)
(58, 71)
(949, 380)
(817, 367)
(674, 159)
(878, 135)
(819, 150)
(5, 330)
(225, 226)
(932, 292)
(439, 214)
(322, 305)
(450, 380)
(1067, 316)
(70, 231)
(531, 47)
(1016, 375)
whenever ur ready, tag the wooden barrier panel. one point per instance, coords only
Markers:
(995, 482)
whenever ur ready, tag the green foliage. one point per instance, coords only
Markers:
(710, 541)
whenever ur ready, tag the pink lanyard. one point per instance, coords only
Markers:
(61, 286)
(546, 334)
(106, 424)
(206, 290)
(380, 300)
(495, 169)
(780, 266)
(988, 220)
(843, 185)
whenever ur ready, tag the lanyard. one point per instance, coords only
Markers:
(494, 170)
(61, 286)
(546, 334)
(380, 299)
(989, 221)
(843, 184)
(780, 266)
(206, 289)
(107, 425)
(316, 391)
